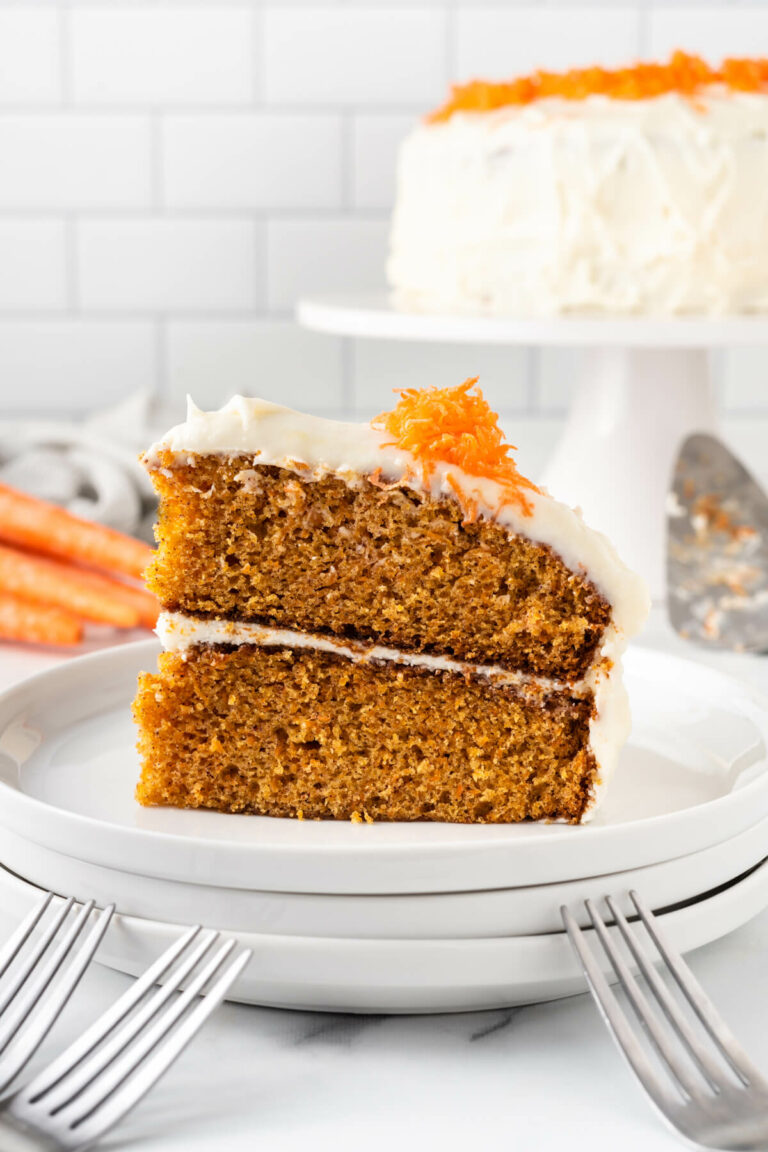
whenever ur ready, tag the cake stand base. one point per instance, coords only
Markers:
(631, 409)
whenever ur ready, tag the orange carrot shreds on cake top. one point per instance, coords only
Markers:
(343, 641)
(684, 74)
(456, 426)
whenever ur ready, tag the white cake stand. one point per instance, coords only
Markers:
(642, 386)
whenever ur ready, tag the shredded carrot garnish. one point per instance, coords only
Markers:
(456, 426)
(684, 73)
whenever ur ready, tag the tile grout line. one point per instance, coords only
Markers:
(131, 315)
(261, 262)
(213, 108)
(139, 213)
(71, 265)
(156, 163)
(451, 43)
(347, 163)
(348, 389)
(532, 405)
(258, 58)
(162, 384)
(643, 30)
(65, 57)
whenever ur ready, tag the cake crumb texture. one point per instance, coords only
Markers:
(307, 734)
(368, 562)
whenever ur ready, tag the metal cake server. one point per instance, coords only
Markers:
(717, 549)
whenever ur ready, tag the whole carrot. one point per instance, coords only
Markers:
(144, 603)
(37, 623)
(46, 528)
(64, 586)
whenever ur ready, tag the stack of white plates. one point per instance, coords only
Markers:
(386, 917)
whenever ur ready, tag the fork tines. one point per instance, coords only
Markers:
(84, 1092)
(40, 974)
(710, 1082)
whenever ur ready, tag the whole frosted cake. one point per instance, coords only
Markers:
(378, 622)
(637, 190)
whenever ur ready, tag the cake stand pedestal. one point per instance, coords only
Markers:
(641, 386)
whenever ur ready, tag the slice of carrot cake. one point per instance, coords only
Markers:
(377, 622)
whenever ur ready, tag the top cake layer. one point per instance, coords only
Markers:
(290, 520)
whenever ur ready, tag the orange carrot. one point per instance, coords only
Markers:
(47, 528)
(145, 603)
(138, 599)
(63, 586)
(37, 623)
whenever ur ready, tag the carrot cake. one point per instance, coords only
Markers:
(377, 622)
(634, 190)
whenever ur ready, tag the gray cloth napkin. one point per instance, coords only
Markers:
(91, 468)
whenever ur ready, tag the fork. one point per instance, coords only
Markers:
(702, 1081)
(84, 1092)
(36, 982)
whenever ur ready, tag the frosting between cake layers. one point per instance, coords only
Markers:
(179, 632)
(652, 205)
(314, 447)
(609, 724)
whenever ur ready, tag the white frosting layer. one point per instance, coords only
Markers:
(309, 445)
(652, 206)
(609, 725)
(179, 633)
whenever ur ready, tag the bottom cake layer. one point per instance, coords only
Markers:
(290, 731)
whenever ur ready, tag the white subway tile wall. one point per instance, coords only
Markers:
(331, 253)
(376, 138)
(504, 40)
(213, 360)
(65, 161)
(58, 367)
(167, 265)
(351, 56)
(33, 265)
(157, 54)
(252, 161)
(176, 173)
(30, 61)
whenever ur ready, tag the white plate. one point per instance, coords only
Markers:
(694, 774)
(461, 915)
(404, 975)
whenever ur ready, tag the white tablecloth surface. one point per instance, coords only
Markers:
(542, 1078)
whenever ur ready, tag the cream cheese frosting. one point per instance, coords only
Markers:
(310, 445)
(181, 633)
(654, 206)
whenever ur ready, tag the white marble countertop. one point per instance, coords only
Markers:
(544, 1077)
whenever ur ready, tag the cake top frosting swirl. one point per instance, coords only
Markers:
(684, 74)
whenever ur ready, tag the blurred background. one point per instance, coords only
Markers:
(174, 175)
